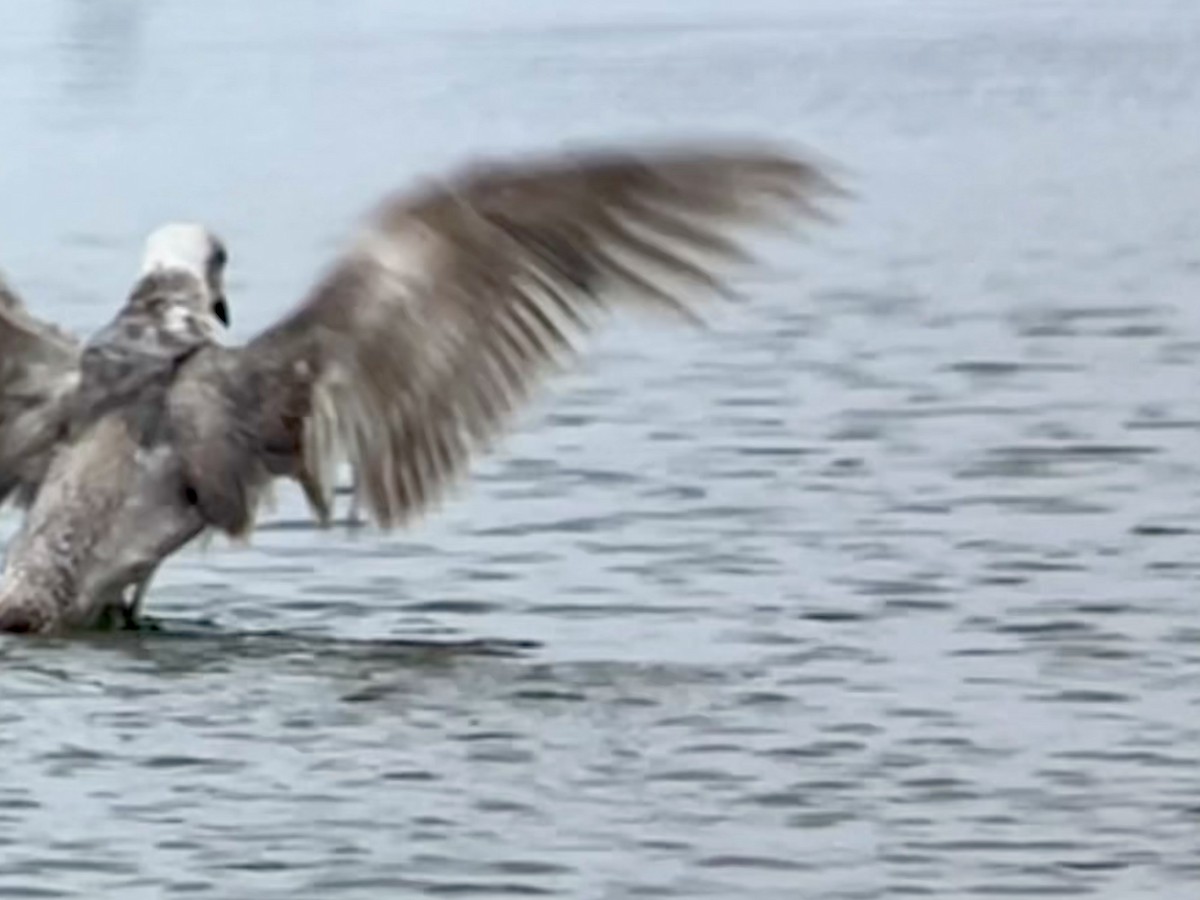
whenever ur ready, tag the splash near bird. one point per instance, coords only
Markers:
(408, 356)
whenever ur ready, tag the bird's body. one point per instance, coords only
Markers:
(409, 356)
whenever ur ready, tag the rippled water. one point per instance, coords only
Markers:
(884, 587)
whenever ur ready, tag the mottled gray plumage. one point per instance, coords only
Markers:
(408, 356)
(39, 372)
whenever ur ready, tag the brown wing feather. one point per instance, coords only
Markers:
(414, 350)
(39, 371)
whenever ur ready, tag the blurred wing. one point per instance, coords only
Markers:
(39, 372)
(415, 349)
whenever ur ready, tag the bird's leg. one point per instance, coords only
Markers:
(133, 609)
(352, 518)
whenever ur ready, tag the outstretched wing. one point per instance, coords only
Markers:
(416, 347)
(39, 372)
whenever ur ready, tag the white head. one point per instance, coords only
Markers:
(191, 248)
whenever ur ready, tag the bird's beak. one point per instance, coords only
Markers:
(221, 310)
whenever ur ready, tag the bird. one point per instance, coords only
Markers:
(456, 298)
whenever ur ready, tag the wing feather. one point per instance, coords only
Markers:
(416, 348)
(39, 373)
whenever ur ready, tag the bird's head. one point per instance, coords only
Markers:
(192, 249)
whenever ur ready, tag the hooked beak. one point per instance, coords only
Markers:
(221, 310)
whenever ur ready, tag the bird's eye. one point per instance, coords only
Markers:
(220, 257)
(190, 497)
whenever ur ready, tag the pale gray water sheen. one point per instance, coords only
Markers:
(885, 587)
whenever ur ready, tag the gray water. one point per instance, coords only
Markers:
(885, 586)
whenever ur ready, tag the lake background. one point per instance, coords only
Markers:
(886, 586)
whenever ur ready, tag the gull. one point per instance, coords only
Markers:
(409, 356)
